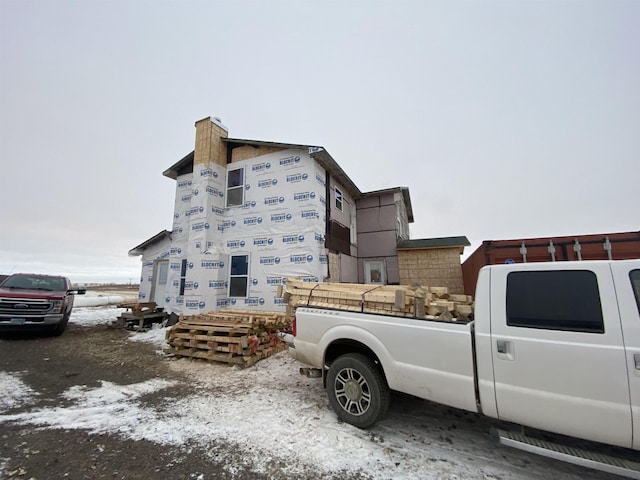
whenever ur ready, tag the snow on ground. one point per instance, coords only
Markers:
(156, 336)
(90, 316)
(14, 391)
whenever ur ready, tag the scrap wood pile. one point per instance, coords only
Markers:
(434, 303)
(235, 337)
(140, 315)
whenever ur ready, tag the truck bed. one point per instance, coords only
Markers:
(426, 358)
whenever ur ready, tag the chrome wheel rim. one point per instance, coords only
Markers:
(352, 392)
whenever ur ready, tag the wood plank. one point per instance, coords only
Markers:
(213, 338)
(465, 310)
(464, 299)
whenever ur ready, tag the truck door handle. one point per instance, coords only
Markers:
(636, 359)
(505, 350)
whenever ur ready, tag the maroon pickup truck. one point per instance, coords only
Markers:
(29, 301)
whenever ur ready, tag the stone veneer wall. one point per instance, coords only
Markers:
(436, 267)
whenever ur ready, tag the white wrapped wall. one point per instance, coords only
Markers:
(281, 227)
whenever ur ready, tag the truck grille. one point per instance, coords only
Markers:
(17, 307)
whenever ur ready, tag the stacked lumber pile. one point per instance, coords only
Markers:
(399, 300)
(235, 337)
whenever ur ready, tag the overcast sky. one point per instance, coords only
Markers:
(505, 119)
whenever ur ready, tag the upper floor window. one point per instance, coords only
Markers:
(339, 200)
(235, 187)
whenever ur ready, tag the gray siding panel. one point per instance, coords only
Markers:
(377, 244)
(377, 219)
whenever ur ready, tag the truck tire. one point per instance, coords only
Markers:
(357, 389)
(57, 330)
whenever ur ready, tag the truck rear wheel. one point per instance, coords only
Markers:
(357, 389)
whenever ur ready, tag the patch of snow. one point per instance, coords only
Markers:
(91, 316)
(109, 408)
(277, 415)
(14, 391)
(155, 336)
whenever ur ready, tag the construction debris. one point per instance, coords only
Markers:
(397, 300)
(235, 337)
(141, 315)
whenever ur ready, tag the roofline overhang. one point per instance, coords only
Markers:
(172, 171)
(139, 250)
(434, 243)
(327, 162)
(240, 142)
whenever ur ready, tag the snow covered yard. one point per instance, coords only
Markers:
(273, 415)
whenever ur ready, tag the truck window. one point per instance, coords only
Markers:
(634, 275)
(554, 300)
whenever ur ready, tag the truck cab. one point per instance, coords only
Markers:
(551, 346)
(561, 351)
(36, 302)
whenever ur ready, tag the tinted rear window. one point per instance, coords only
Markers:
(555, 300)
(634, 275)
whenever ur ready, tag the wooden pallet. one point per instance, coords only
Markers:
(241, 360)
(235, 337)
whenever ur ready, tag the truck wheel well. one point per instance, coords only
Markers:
(342, 347)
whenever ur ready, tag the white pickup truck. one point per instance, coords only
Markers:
(552, 346)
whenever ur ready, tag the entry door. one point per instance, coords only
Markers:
(375, 272)
(557, 365)
(159, 292)
(628, 290)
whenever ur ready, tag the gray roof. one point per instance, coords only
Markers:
(172, 171)
(139, 250)
(441, 242)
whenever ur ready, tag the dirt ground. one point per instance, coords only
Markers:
(83, 356)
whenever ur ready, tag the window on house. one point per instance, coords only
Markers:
(163, 272)
(239, 278)
(235, 187)
(353, 232)
(183, 275)
(555, 300)
(338, 199)
(401, 224)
